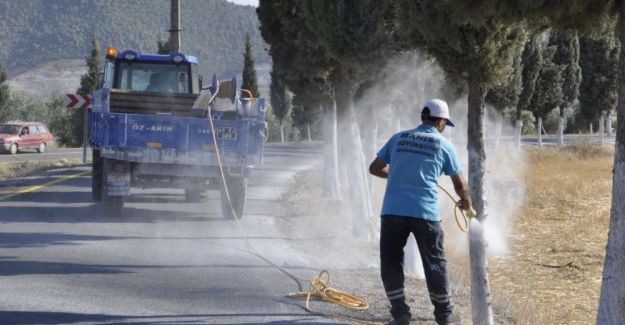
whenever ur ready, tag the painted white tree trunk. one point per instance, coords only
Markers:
(612, 299)
(354, 166)
(601, 130)
(281, 132)
(331, 183)
(413, 266)
(481, 300)
(354, 159)
(518, 131)
(539, 127)
(591, 130)
(308, 137)
(608, 124)
(561, 131)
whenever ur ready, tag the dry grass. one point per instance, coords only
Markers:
(11, 170)
(553, 273)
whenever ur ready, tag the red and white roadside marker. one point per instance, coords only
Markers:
(77, 101)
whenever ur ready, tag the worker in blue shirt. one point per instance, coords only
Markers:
(412, 161)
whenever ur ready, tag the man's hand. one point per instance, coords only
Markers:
(379, 168)
(464, 204)
(462, 189)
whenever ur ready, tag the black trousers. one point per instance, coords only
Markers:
(429, 235)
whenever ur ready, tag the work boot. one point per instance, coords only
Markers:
(402, 320)
(451, 319)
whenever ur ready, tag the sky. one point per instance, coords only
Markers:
(245, 2)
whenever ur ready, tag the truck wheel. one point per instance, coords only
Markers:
(111, 205)
(13, 149)
(237, 187)
(195, 195)
(96, 176)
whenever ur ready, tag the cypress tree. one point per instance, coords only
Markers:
(280, 100)
(4, 95)
(250, 81)
(567, 55)
(531, 61)
(353, 34)
(88, 83)
(548, 90)
(598, 91)
(306, 117)
(305, 67)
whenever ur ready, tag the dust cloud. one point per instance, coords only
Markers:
(394, 103)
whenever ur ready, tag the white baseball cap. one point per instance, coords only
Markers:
(437, 108)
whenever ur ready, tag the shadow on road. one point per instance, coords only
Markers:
(92, 214)
(35, 317)
(38, 239)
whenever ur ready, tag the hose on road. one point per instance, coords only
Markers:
(319, 287)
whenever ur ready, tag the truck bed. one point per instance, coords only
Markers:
(162, 130)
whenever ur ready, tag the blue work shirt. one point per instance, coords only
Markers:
(417, 158)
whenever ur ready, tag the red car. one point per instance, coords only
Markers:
(18, 135)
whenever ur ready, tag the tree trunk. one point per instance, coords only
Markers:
(281, 132)
(331, 183)
(612, 298)
(601, 130)
(608, 123)
(561, 131)
(308, 137)
(540, 132)
(481, 304)
(349, 133)
(369, 127)
(518, 131)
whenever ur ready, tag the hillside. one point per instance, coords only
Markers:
(63, 76)
(35, 32)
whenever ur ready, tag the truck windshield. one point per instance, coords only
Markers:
(152, 77)
(9, 129)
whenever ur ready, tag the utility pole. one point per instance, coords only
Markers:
(174, 31)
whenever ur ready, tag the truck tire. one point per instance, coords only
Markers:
(237, 187)
(112, 206)
(96, 176)
(195, 195)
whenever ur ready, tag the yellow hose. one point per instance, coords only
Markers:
(465, 215)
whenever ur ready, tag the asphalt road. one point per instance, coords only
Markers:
(163, 261)
(50, 154)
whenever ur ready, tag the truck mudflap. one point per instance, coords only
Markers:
(116, 177)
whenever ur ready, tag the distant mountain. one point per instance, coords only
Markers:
(36, 32)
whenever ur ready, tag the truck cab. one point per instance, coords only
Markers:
(147, 131)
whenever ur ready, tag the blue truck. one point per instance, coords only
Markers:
(153, 125)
